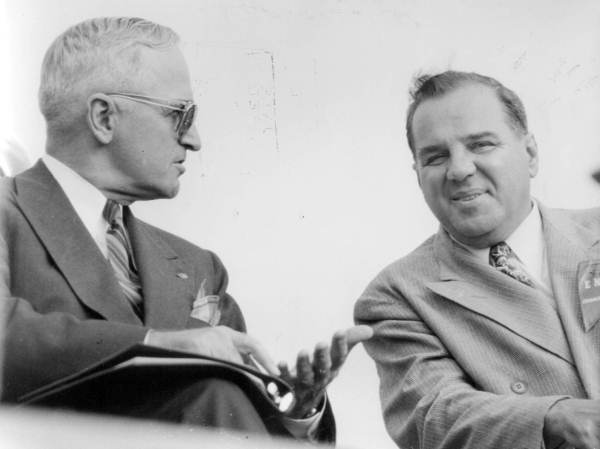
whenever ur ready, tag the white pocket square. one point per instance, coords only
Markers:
(206, 307)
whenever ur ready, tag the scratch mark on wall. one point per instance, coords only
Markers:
(587, 84)
(519, 62)
(274, 101)
(274, 95)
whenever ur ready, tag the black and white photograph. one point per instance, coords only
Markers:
(369, 224)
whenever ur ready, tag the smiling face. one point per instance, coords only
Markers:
(147, 155)
(473, 167)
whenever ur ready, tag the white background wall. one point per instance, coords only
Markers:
(304, 185)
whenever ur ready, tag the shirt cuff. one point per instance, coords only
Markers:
(305, 428)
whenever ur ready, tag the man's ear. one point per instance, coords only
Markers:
(102, 117)
(532, 153)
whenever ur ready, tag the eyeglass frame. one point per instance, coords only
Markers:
(187, 108)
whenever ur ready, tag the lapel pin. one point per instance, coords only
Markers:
(182, 275)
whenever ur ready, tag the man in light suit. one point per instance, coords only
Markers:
(486, 335)
(88, 279)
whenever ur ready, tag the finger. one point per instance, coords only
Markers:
(339, 349)
(285, 372)
(321, 363)
(248, 345)
(357, 334)
(304, 370)
(343, 342)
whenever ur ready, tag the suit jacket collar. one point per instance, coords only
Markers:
(476, 286)
(70, 245)
(466, 280)
(79, 259)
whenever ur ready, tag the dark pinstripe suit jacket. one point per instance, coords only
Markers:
(469, 357)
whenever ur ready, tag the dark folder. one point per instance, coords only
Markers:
(136, 371)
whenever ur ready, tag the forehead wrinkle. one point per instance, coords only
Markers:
(454, 128)
(479, 135)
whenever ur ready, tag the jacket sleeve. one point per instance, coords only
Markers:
(41, 348)
(428, 401)
(37, 349)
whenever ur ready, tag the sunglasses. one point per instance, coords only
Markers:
(186, 109)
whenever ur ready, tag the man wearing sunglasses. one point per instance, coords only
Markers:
(92, 278)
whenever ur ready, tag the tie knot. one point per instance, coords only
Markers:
(112, 213)
(503, 258)
(499, 252)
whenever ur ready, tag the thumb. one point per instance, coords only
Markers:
(357, 334)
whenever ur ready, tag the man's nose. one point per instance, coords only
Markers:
(191, 139)
(461, 165)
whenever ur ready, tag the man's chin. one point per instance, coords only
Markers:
(156, 193)
(476, 235)
(168, 191)
(174, 191)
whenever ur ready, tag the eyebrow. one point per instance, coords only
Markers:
(468, 138)
(429, 149)
(481, 135)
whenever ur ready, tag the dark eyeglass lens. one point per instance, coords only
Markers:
(187, 120)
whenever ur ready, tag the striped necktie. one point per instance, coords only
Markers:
(506, 261)
(120, 256)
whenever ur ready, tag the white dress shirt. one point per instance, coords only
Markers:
(527, 242)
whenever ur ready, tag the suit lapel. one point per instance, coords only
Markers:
(70, 245)
(480, 288)
(567, 245)
(167, 283)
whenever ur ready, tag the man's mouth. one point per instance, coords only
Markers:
(467, 195)
(179, 165)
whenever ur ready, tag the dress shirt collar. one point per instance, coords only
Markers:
(527, 242)
(86, 199)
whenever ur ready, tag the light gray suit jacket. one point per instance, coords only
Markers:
(469, 357)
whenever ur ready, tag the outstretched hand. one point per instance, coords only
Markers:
(310, 378)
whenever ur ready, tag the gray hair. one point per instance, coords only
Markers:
(434, 86)
(97, 54)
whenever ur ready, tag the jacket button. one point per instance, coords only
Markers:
(518, 387)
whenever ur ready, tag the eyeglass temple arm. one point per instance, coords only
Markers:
(143, 100)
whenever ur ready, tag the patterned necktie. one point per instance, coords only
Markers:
(120, 256)
(506, 261)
